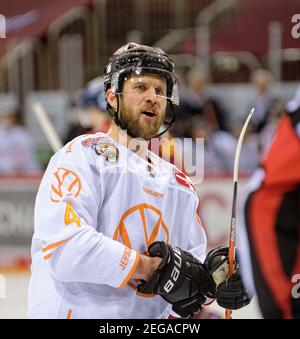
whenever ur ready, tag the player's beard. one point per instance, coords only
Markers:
(136, 125)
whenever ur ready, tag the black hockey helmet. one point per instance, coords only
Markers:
(136, 58)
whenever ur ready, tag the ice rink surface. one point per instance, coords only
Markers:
(14, 305)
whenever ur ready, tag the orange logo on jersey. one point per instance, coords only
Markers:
(141, 224)
(66, 183)
(142, 220)
(153, 193)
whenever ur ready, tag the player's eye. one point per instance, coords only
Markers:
(160, 91)
(140, 88)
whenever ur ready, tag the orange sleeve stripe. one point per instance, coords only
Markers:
(46, 257)
(49, 247)
(69, 313)
(145, 295)
(133, 268)
(199, 220)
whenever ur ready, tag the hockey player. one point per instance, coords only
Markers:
(272, 222)
(116, 230)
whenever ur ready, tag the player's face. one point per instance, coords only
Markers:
(143, 104)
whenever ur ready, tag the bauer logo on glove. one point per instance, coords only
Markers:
(180, 279)
(175, 271)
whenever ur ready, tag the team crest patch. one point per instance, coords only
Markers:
(107, 150)
(104, 147)
(92, 141)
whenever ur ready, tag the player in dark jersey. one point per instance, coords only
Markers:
(272, 221)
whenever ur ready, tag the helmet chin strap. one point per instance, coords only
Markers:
(119, 123)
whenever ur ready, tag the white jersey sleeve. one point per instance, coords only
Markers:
(197, 239)
(66, 220)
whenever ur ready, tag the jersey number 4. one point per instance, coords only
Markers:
(71, 216)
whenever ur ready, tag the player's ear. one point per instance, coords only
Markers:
(111, 99)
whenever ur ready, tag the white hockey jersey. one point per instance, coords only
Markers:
(98, 208)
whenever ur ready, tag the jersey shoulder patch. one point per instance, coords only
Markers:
(183, 180)
(102, 146)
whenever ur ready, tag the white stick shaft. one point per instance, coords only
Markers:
(47, 127)
(239, 145)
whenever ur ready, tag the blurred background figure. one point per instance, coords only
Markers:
(219, 147)
(17, 147)
(198, 101)
(90, 111)
(93, 103)
(75, 126)
(266, 104)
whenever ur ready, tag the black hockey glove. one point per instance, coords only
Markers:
(180, 279)
(230, 292)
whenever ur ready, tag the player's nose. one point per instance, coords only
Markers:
(150, 95)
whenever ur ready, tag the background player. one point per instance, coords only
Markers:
(272, 221)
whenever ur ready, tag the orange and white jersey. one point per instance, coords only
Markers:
(98, 208)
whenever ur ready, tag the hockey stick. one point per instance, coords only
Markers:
(232, 237)
(47, 126)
